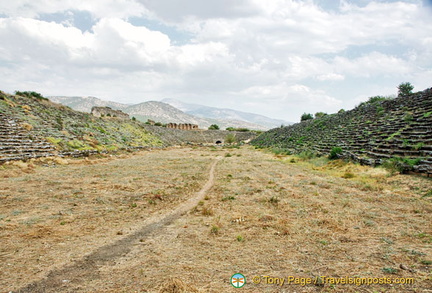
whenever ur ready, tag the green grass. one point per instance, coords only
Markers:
(70, 130)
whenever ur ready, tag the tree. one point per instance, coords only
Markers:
(213, 127)
(405, 89)
(305, 117)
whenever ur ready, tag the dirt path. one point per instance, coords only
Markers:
(77, 274)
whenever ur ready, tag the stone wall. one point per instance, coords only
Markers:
(108, 112)
(182, 126)
(173, 136)
(370, 134)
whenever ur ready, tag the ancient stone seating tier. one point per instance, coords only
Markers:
(16, 143)
(371, 133)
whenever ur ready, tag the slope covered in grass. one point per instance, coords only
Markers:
(37, 118)
(391, 131)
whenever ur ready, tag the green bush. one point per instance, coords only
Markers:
(334, 153)
(213, 127)
(31, 94)
(238, 129)
(306, 116)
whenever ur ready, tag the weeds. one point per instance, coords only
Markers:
(215, 229)
(228, 198)
(273, 200)
(389, 270)
(207, 211)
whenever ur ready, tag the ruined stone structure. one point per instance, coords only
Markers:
(182, 126)
(172, 136)
(17, 143)
(372, 133)
(108, 112)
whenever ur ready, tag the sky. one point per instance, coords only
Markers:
(279, 58)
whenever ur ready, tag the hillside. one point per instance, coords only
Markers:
(33, 126)
(162, 112)
(397, 131)
(85, 104)
(226, 114)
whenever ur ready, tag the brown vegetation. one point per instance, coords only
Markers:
(264, 216)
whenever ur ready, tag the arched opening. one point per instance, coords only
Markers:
(218, 142)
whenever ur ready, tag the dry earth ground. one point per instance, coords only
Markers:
(264, 216)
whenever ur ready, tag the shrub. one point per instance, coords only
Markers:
(334, 153)
(238, 129)
(320, 114)
(29, 94)
(306, 116)
(214, 127)
(230, 138)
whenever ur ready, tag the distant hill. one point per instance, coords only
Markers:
(84, 104)
(162, 112)
(391, 131)
(225, 114)
(165, 113)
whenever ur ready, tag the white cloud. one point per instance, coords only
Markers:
(373, 64)
(177, 11)
(330, 76)
(286, 56)
(99, 8)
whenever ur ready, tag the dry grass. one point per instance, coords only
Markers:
(265, 216)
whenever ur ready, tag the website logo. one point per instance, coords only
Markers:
(238, 280)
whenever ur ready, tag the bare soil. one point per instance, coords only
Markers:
(187, 219)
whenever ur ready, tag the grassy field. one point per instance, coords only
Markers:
(266, 216)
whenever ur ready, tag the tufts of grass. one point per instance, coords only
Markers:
(427, 194)
(348, 175)
(206, 211)
(215, 229)
(228, 198)
(274, 200)
(389, 270)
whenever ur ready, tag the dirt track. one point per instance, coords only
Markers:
(79, 273)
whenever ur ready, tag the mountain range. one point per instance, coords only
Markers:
(171, 110)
